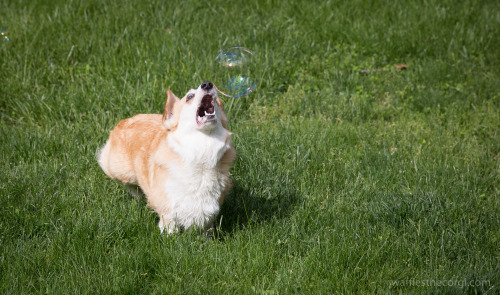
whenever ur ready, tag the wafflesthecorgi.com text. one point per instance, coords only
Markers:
(439, 283)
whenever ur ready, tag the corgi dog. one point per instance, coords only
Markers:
(180, 160)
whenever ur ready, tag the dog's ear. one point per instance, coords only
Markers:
(168, 114)
(223, 120)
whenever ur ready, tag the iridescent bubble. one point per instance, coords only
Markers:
(234, 72)
(3, 36)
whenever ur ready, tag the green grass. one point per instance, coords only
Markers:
(344, 183)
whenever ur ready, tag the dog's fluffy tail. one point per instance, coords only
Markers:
(102, 156)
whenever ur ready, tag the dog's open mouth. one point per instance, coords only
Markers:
(206, 110)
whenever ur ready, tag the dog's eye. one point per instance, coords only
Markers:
(189, 96)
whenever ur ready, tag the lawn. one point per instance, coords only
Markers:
(345, 183)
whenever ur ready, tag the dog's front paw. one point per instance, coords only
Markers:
(169, 226)
(210, 231)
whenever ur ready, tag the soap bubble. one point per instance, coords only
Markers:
(234, 71)
(3, 36)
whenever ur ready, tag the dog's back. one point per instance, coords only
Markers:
(128, 142)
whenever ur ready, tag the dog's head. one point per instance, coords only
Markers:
(200, 109)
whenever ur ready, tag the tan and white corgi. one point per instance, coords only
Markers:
(180, 160)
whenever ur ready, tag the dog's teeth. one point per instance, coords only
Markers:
(207, 114)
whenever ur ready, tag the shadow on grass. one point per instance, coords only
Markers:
(243, 207)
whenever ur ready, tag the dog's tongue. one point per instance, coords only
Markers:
(210, 109)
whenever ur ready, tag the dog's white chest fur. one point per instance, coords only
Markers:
(195, 184)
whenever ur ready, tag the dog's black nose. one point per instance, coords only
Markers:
(207, 85)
